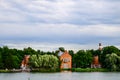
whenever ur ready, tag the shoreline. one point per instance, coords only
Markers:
(58, 70)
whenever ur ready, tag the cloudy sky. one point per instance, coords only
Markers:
(49, 24)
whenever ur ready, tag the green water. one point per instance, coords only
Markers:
(61, 76)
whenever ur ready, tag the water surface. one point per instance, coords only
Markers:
(61, 76)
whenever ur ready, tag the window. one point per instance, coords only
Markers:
(66, 60)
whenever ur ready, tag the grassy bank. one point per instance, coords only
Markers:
(43, 70)
(10, 70)
(5, 71)
(89, 70)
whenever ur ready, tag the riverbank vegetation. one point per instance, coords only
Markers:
(90, 70)
(109, 58)
(5, 71)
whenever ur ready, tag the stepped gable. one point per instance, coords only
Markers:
(66, 60)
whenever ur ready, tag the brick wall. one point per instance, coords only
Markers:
(66, 60)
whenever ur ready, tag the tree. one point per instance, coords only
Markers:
(29, 51)
(71, 52)
(112, 61)
(108, 50)
(1, 63)
(62, 49)
(82, 59)
(9, 58)
(96, 52)
(44, 61)
(16, 62)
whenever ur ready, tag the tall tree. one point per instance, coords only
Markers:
(112, 61)
(1, 63)
(83, 59)
(108, 50)
(44, 61)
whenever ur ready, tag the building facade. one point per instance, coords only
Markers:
(24, 64)
(66, 60)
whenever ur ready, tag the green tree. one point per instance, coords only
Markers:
(1, 63)
(83, 59)
(16, 62)
(10, 58)
(44, 61)
(108, 50)
(62, 49)
(96, 52)
(71, 52)
(29, 51)
(112, 61)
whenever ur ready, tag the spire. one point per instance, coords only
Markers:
(100, 46)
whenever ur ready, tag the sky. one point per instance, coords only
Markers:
(50, 24)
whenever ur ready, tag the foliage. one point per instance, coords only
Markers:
(29, 51)
(5, 71)
(12, 58)
(44, 70)
(44, 61)
(62, 49)
(112, 61)
(71, 52)
(108, 50)
(82, 59)
(1, 64)
(89, 70)
(97, 52)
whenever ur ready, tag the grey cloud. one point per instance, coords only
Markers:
(67, 21)
(64, 11)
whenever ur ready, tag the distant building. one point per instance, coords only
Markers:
(24, 64)
(66, 60)
(95, 62)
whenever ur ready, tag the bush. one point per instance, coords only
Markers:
(89, 70)
(43, 70)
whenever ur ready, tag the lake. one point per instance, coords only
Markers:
(61, 76)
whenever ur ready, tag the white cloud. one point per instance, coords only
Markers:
(46, 46)
(92, 11)
(10, 13)
(51, 11)
(59, 30)
(49, 46)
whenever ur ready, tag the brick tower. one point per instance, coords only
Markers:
(96, 63)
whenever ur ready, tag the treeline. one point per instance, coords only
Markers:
(109, 58)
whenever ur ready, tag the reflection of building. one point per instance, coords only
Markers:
(66, 60)
(96, 63)
(25, 61)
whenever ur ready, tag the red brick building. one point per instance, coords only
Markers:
(66, 60)
(96, 63)
(25, 61)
